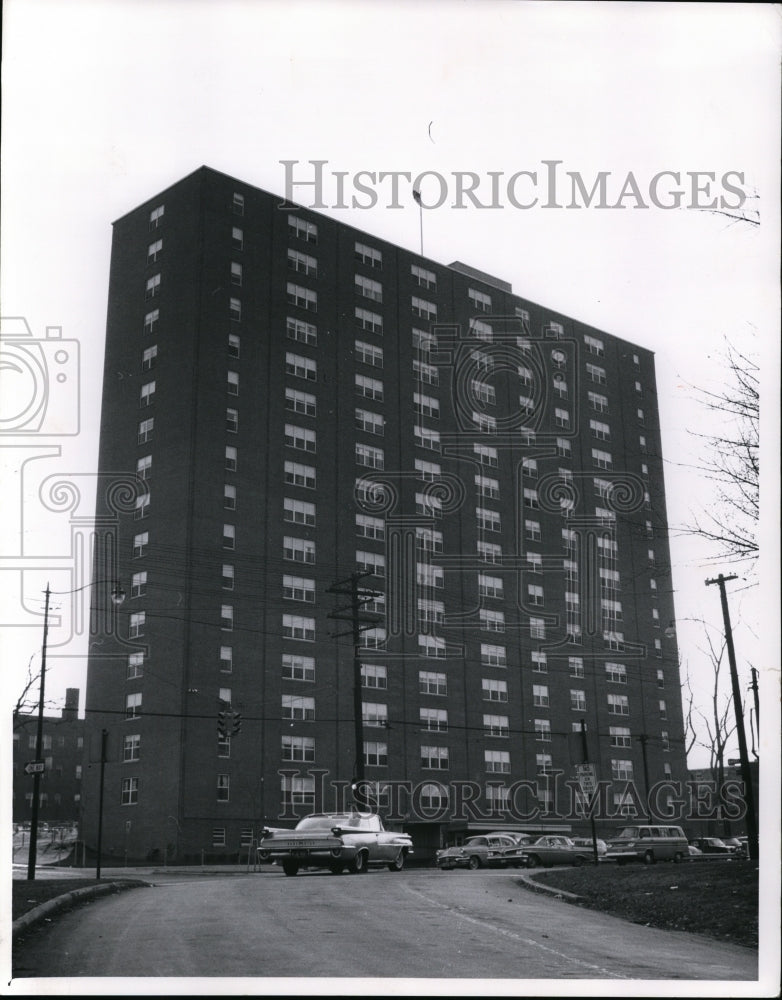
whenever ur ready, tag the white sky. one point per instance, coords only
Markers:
(109, 101)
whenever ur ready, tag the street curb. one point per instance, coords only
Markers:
(51, 906)
(541, 887)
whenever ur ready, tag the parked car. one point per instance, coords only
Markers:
(648, 844)
(497, 850)
(738, 843)
(554, 849)
(715, 845)
(336, 841)
(586, 842)
(694, 851)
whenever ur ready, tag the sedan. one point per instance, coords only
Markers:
(586, 842)
(555, 849)
(336, 841)
(715, 845)
(492, 850)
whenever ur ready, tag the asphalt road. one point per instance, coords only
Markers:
(410, 925)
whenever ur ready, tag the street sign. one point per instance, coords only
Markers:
(587, 779)
(35, 767)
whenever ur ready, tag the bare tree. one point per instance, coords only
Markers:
(731, 460)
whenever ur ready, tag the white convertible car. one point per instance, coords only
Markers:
(336, 841)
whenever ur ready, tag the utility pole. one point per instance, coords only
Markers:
(104, 736)
(352, 613)
(585, 746)
(746, 774)
(31, 858)
(754, 686)
(643, 739)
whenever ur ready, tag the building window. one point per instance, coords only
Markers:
(593, 345)
(488, 520)
(298, 627)
(540, 695)
(369, 256)
(429, 472)
(237, 238)
(144, 467)
(369, 289)
(432, 682)
(298, 588)
(493, 655)
(371, 388)
(428, 540)
(494, 690)
(303, 263)
(490, 586)
(301, 367)
(562, 417)
(425, 437)
(301, 438)
(237, 203)
(375, 754)
(371, 562)
(156, 216)
(496, 761)
(434, 758)
(424, 309)
(236, 274)
(537, 628)
(152, 321)
(230, 458)
(621, 770)
(227, 577)
(298, 511)
(431, 646)
(602, 459)
(226, 659)
(374, 675)
(297, 474)
(479, 300)
(370, 527)
(542, 730)
(596, 374)
(223, 787)
(423, 277)
(427, 406)
(434, 719)
(232, 420)
(304, 298)
(618, 704)
(137, 625)
(619, 736)
(369, 354)
(302, 230)
(369, 456)
(304, 333)
(226, 617)
(297, 708)
(229, 536)
(298, 748)
(138, 586)
(496, 725)
(140, 543)
(135, 666)
(535, 594)
(423, 372)
(131, 747)
(663, 710)
(298, 549)
(147, 394)
(129, 792)
(232, 383)
(577, 700)
(152, 286)
(300, 402)
(148, 358)
(616, 673)
(142, 506)
(298, 668)
(154, 250)
(374, 713)
(133, 705)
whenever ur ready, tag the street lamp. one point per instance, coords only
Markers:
(117, 597)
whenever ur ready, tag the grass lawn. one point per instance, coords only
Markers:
(718, 898)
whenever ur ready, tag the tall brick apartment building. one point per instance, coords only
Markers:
(289, 401)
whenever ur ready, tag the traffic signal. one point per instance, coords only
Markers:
(237, 724)
(222, 723)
